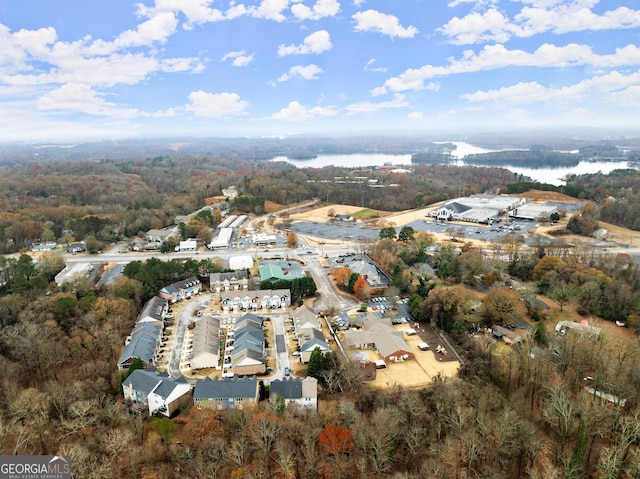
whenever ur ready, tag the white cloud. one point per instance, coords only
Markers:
(322, 8)
(370, 68)
(215, 105)
(415, 115)
(398, 101)
(297, 112)
(36, 57)
(493, 57)
(157, 29)
(309, 72)
(240, 59)
(612, 86)
(317, 42)
(379, 91)
(374, 21)
(270, 10)
(81, 98)
(556, 16)
(478, 27)
(572, 16)
(196, 11)
(359, 3)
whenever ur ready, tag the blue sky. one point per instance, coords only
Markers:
(72, 69)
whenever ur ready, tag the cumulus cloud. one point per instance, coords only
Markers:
(215, 105)
(82, 98)
(297, 112)
(613, 85)
(322, 8)
(270, 10)
(374, 21)
(240, 59)
(198, 12)
(317, 42)
(556, 16)
(493, 57)
(309, 72)
(37, 57)
(491, 25)
(156, 29)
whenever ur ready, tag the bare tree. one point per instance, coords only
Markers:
(285, 457)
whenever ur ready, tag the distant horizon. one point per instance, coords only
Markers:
(445, 134)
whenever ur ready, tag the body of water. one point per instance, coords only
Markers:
(545, 174)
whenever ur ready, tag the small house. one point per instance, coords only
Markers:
(162, 394)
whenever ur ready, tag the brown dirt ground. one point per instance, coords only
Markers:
(538, 195)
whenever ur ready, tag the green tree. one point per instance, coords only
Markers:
(93, 245)
(135, 364)
(317, 364)
(446, 262)
(165, 429)
(165, 247)
(406, 234)
(352, 281)
(443, 305)
(388, 232)
(540, 335)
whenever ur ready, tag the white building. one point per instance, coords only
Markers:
(241, 262)
(190, 244)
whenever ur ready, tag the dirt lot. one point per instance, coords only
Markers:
(542, 196)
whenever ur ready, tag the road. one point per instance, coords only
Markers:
(329, 298)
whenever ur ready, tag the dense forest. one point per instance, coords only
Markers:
(108, 201)
(513, 411)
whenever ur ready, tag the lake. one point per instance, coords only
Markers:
(545, 174)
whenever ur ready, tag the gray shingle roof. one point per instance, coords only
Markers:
(457, 207)
(226, 388)
(154, 309)
(143, 342)
(288, 388)
(147, 380)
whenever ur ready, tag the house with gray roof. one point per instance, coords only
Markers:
(304, 317)
(162, 394)
(156, 309)
(143, 343)
(227, 393)
(248, 355)
(229, 281)
(303, 392)
(205, 349)
(180, 290)
(310, 339)
(365, 268)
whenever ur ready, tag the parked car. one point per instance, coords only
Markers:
(287, 371)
